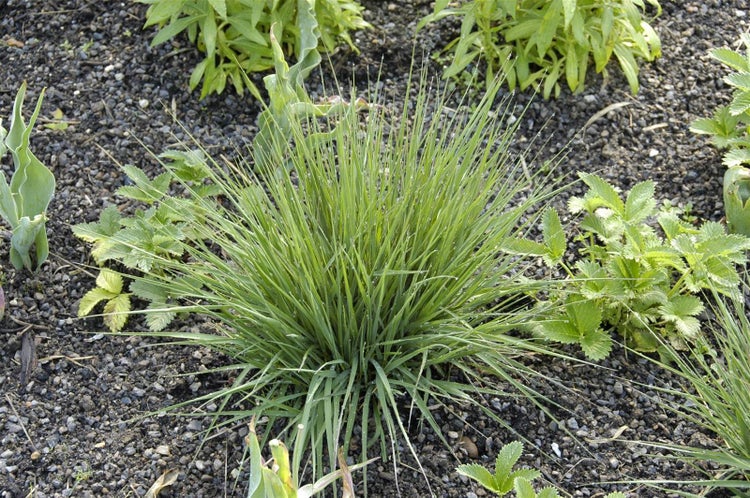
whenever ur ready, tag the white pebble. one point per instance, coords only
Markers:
(556, 450)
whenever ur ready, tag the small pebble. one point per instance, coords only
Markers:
(471, 448)
(163, 450)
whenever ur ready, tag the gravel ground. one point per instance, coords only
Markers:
(80, 427)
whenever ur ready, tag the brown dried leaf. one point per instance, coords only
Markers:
(12, 42)
(346, 476)
(28, 357)
(166, 479)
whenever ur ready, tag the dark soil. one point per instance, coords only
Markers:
(77, 428)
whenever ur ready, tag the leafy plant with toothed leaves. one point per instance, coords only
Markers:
(643, 285)
(729, 129)
(109, 288)
(505, 479)
(143, 241)
(538, 43)
(23, 203)
(234, 34)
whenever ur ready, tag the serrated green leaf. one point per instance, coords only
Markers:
(554, 237)
(116, 312)
(740, 103)
(479, 474)
(560, 330)
(738, 80)
(523, 488)
(640, 202)
(736, 157)
(596, 344)
(159, 315)
(148, 290)
(144, 190)
(99, 231)
(706, 126)
(548, 492)
(506, 459)
(91, 299)
(731, 58)
(714, 241)
(109, 280)
(529, 474)
(585, 316)
(604, 192)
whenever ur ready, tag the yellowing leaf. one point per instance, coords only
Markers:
(91, 299)
(58, 122)
(115, 312)
(109, 281)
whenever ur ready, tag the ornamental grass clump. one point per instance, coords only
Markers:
(363, 281)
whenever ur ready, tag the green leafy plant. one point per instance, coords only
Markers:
(729, 129)
(505, 479)
(144, 241)
(234, 34)
(643, 284)
(109, 288)
(540, 42)
(23, 203)
(502, 481)
(730, 124)
(358, 277)
(278, 479)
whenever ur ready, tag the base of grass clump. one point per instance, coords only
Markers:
(361, 272)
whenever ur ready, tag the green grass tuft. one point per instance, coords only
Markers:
(365, 280)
